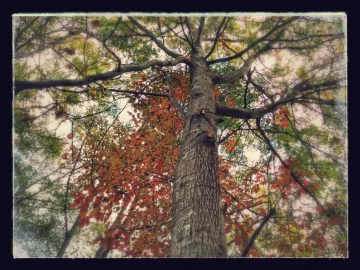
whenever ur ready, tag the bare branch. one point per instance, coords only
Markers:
(48, 46)
(216, 38)
(200, 29)
(241, 72)
(187, 38)
(23, 30)
(257, 231)
(243, 113)
(27, 85)
(293, 175)
(68, 238)
(252, 45)
(153, 38)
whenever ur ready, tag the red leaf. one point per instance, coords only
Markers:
(237, 239)
(160, 165)
(285, 124)
(247, 195)
(75, 204)
(319, 209)
(69, 136)
(262, 212)
(335, 221)
(228, 228)
(97, 201)
(239, 206)
(227, 200)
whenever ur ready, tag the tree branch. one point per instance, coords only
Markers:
(241, 72)
(257, 231)
(27, 85)
(252, 45)
(293, 175)
(243, 113)
(186, 37)
(200, 29)
(217, 35)
(48, 46)
(188, 24)
(22, 31)
(68, 238)
(154, 38)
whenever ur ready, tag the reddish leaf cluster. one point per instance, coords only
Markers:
(280, 118)
(230, 145)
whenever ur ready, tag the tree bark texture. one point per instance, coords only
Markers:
(197, 229)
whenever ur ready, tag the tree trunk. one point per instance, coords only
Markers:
(102, 251)
(68, 238)
(197, 229)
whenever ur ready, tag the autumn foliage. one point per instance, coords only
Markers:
(130, 93)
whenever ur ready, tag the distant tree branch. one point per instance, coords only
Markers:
(153, 38)
(293, 174)
(241, 72)
(68, 238)
(20, 55)
(337, 35)
(91, 34)
(252, 45)
(217, 35)
(189, 26)
(20, 32)
(243, 113)
(186, 36)
(257, 231)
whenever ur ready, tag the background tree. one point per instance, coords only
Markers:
(238, 125)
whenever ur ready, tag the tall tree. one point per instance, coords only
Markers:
(207, 94)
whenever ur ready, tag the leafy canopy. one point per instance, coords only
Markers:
(105, 98)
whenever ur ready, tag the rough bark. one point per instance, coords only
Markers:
(197, 229)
